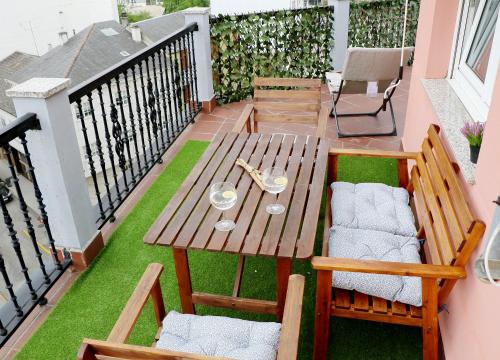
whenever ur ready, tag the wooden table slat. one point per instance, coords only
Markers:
(185, 209)
(273, 233)
(305, 244)
(188, 220)
(261, 217)
(197, 215)
(237, 236)
(155, 231)
(202, 235)
(219, 238)
(295, 214)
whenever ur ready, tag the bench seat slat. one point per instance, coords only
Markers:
(399, 308)
(361, 301)
(342, 298)
(379, 305)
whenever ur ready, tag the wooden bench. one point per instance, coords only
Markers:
(287, 100)
(451, 234)
(115, 347)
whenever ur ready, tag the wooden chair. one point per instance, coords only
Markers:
(451, 234)
(300, 102)
(115, 346)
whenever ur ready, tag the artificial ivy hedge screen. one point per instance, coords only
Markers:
(293, 43)
(297, 43)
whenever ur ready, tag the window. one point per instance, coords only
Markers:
(123, 101)
(86, 110)
(476, 55)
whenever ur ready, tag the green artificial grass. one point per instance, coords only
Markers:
(91, 306)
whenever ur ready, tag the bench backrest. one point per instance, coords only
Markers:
(287, 100)
(451, 230)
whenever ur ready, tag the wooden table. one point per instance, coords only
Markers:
(187, 222)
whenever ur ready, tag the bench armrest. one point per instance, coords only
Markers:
(388, 268)
(244, 119)
(374, 153)
(324, 115)
(90, 349)
(290, 328)
(149, 285)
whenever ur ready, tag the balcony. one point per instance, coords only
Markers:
(139, 129)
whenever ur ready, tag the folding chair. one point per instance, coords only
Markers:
(364, 65)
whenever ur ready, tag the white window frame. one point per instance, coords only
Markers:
(475, 95)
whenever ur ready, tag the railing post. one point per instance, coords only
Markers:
(203, 54)
(340, 32)
(58, 166)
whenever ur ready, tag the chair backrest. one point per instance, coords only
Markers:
(372, 64)
(287, 100)
(451, 230)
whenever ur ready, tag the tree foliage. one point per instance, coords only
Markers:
(178, 5)
(140, 16)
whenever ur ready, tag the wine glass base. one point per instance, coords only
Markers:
(225, 225)
(275, 209)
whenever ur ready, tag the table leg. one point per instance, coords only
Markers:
(283, 271)
(239, 275)
(183, 280)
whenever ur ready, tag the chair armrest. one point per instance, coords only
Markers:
(90, 348)
(388, 268)
(149, 285)
(244, 118)
(374, 153)
(290, 328)
(324, 114)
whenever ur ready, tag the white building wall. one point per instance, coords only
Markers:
(218, 7)
(33, 26)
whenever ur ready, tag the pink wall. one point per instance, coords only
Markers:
(470, 331)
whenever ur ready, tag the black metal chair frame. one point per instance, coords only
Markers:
(383, 107)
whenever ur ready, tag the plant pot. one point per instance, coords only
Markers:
(474, 153)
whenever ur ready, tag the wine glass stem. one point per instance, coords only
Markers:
(276, 199)
(223, 216)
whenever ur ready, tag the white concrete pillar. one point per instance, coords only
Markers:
(340, 32)
(202, 51)
(57, 161)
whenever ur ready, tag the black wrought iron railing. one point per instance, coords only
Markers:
(29, 265)
(131, 113)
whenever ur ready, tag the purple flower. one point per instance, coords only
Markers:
(473, 132)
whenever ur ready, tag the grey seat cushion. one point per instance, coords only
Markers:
(376, 245)
(220, 336)
(372, 206)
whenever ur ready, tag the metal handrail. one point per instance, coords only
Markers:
(110, 73)
(28, 121)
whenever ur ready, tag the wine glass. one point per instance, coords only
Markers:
(223, 196)
(275, 181)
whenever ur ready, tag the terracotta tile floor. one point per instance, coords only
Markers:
(222, 119)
